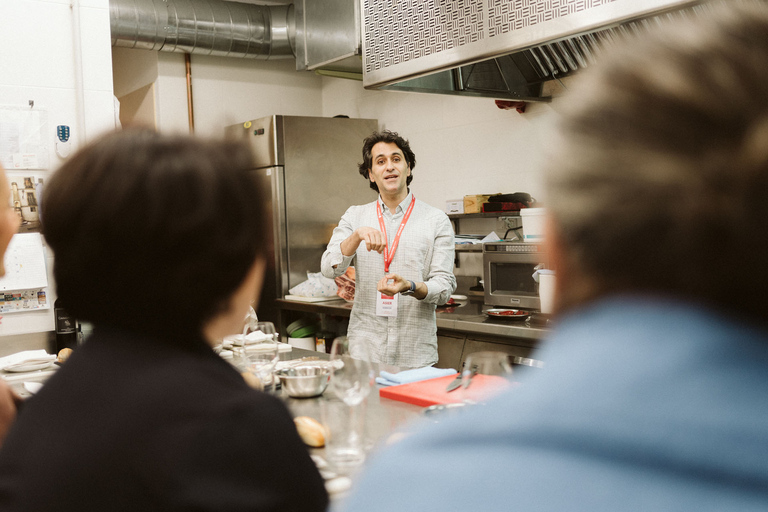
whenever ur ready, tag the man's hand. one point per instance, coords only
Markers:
(9, 402)
(373, 238)
(392, 284)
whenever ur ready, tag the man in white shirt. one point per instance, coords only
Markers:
(403, 251)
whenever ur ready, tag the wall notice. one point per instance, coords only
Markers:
(24, 263)
(22, 137)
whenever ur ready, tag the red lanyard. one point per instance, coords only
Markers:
(389, 255)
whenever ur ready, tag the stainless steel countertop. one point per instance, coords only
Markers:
(466, 317)
(384, 418)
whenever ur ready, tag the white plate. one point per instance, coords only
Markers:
(508, 314)
(459, 297)
(33, 387)
(30, 365)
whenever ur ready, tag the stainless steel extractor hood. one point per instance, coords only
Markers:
(503, 49)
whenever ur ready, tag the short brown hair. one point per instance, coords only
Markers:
(135, 217)
(661, 180)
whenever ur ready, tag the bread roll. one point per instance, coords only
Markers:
(253, 381)
(310, 431)
(64, 354)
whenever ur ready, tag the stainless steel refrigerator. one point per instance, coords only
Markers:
(308, 165)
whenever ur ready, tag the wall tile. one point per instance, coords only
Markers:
(100, 4)
(40, 35)
(96, 49)
(99, 113)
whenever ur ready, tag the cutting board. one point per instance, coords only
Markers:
(432, 391)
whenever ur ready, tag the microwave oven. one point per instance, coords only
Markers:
(508, 269)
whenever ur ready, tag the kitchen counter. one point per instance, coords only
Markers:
(384, 418)
(466, 317)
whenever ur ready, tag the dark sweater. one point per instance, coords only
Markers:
(132, 423)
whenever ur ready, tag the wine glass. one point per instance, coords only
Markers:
(485, 374)
(260, 352)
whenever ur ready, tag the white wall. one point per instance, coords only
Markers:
(37, 63)
(463, 145)
(228, 91)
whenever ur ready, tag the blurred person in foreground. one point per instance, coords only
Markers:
(157, 243)
(653, 394)
(9, 225)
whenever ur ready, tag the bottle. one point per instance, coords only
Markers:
(66, 327)
(323, 340)
(320, 342)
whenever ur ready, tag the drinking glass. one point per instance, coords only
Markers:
(351, 371)
(259, 352)
(352, 378)
(485, 374)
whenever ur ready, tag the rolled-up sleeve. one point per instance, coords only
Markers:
(441, 282)
(333, 262)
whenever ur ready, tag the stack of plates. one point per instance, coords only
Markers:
(301, 334)
(301, 328)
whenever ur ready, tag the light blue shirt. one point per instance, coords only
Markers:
(642, 405)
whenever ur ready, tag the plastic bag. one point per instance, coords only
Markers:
(316, 285)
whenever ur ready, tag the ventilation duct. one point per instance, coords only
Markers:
(206, 27)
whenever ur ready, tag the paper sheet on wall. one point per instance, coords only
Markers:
(27, 310)
(22, 137)
(24, 263)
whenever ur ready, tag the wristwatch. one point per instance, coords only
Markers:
(411, 290)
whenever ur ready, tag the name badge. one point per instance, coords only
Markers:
(386, 305)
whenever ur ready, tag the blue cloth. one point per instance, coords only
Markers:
(642, 405)
(415, 375)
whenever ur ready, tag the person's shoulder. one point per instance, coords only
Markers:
(359, 209)
(428, 211)
(364, 206)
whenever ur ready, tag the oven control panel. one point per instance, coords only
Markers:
(512, 247)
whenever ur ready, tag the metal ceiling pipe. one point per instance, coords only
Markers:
(205, 27)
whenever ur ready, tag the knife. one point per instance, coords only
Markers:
(456, 383)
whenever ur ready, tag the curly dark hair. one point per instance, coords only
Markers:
(136, 215)
(389, 137)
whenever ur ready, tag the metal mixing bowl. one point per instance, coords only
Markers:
(304, 381)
